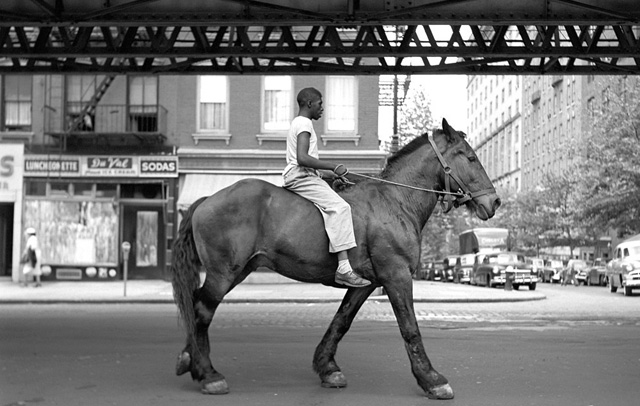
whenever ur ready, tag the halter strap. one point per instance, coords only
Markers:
(463, 194)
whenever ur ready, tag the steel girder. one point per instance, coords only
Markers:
(334, 37)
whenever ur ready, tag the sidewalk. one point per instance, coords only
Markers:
(159, 291)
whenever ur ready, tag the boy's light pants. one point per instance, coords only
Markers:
(335, 211)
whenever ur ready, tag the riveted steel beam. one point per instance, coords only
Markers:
(333, 36)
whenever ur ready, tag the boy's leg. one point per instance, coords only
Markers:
(338, 224)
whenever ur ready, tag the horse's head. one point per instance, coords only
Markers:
(466, 173)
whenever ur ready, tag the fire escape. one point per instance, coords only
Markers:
(93, 123)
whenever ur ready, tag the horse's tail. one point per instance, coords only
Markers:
(185, 267)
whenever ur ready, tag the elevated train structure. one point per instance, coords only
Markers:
(351, 37)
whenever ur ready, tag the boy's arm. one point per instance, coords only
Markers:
(304, 159)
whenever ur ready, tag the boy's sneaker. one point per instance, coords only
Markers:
(351, 279)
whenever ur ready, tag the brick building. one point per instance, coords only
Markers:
(92, 161)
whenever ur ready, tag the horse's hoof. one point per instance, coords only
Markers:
(215, 387)
(335, 380)
(184, 363)
(441, 392)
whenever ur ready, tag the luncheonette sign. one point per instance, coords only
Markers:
(101, 166)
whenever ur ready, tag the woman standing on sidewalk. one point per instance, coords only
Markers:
(31, 259)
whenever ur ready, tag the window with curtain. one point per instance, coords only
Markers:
(80, 90)
(277, 103)
(213, 95)
(143, 103)
(17, 102)
(143, 94)
(340, 102)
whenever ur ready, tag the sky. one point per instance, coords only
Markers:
(448, 96)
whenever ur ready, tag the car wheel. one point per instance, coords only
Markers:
(516, 286)
(532, 286)
(488, 281)
(628, 291)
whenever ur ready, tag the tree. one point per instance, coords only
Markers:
(611, 164)
(415, 116)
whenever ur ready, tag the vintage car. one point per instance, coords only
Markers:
(553, 271)
(432, 270)
(624, 270)
(450, 263)
(493, 269)
(464, 268)
(594, 274)
(537, 266)
(576, 266)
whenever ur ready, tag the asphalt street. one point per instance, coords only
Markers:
(577, 347)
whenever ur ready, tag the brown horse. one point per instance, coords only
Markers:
(254, 224)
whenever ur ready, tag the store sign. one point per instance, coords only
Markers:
(110, 166)
(11, 168)
(46, 166)
(101, 166)
(158, 167)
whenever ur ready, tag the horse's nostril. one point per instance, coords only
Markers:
(496, 204)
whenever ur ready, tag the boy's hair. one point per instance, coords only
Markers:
(308, 94)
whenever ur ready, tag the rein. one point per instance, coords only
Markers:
(463, 194)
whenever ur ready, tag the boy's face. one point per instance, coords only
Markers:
(315, 108)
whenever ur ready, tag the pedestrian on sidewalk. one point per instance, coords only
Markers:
(30, 259)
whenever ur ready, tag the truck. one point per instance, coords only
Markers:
(484, 240)
(493, 262)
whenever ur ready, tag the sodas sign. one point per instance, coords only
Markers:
(158, 167)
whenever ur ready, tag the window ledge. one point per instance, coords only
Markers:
(355, 138)
(16, 135)
(271, 137)
(197, 137)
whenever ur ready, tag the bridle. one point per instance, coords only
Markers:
(462, 196)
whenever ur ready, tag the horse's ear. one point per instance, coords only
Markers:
(448, 130)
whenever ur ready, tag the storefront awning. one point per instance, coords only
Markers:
(197, 185)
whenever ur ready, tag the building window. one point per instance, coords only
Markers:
(341, 99)
(213, 93)
(17, 103)
(143, 103)
(80, 91)
(277, 103)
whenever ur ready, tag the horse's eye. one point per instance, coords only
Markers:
(472, 158)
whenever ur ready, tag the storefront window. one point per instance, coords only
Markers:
(75, 233)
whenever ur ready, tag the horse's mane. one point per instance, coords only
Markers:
(412, 146)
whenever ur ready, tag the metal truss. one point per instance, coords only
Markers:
(432, 37)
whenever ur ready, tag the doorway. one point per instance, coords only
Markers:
(6, 238)
(144, 228)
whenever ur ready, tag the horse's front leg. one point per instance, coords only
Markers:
(400, 294)
(323, 360)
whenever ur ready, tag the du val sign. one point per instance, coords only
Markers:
(131, 166)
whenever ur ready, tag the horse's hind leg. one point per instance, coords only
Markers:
(195, 356)
(323, 360)
(433, 383)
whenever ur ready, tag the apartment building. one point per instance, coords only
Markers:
(494, 119)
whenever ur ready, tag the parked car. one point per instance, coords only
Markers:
(594, 274)
(552, 271)
(492, 270)
(576, 266)
(432, 270)
(464, 268)
(624, 270)
(537, 266)
(449, 267)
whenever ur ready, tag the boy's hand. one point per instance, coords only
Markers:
(340, 170)
(341, 183)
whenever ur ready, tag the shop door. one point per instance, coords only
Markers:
(6, 238)
(144, 228)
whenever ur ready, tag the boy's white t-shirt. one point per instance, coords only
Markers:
(298, 125)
